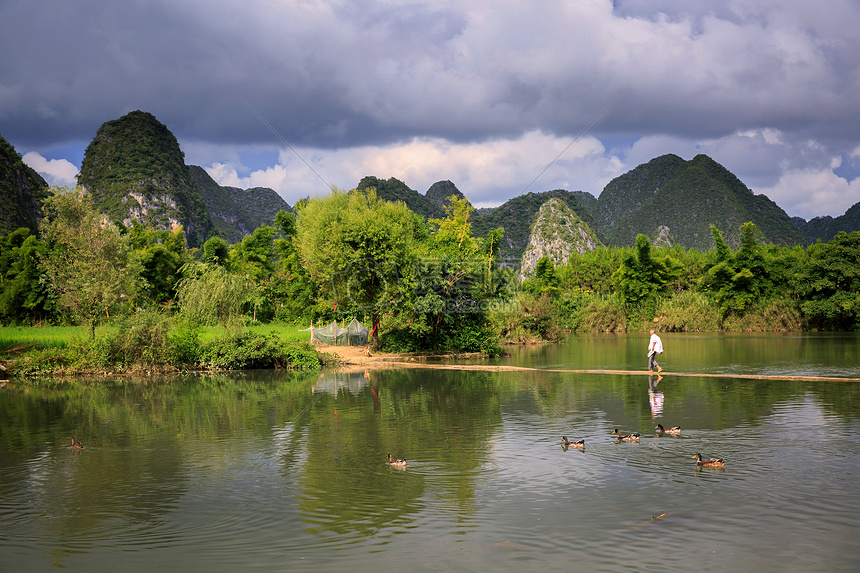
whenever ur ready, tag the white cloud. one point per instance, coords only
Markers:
(488, 173)
(55, 171)
(810, 193)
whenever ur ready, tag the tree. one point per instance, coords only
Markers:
(291, 290)
(162, 255)
(23, 293)
(357, 249)
(737, 280)
(217, 251)
(455, 276)
(829, 283)
(544, 279)
(642, 276)
(210, 294)
(91, 267)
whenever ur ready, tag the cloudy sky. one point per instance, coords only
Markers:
(493, 95)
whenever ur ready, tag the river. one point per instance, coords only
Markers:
(277, 471)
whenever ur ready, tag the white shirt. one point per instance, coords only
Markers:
(655, 344)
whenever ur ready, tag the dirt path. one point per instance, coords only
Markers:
(358, 355)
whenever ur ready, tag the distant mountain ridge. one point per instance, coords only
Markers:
(687, 197)
(516, 216)
(236, 212)
(825, 228)
(134, 168)
(557, 232)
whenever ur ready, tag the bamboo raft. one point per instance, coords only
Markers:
(507, 368)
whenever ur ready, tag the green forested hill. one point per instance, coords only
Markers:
(134, 169)
(825, 228)
(517, 215)
(687, 197)
(237, 212)
(396, 190)
(21, 192)
(514, 216)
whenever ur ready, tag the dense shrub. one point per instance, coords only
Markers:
(245, 350)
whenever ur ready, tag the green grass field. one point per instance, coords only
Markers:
(14, 339)
(23, 338)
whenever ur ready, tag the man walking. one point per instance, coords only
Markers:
(655, 347)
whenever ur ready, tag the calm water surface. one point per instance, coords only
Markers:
(271, 471)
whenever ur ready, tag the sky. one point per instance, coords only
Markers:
(498, 96)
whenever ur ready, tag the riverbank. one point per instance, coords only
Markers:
(361, 356)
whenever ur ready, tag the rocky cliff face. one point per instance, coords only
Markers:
(556, 233)
(134, 169)
(22, 191)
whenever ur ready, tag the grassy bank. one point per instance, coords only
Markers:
(151, 342)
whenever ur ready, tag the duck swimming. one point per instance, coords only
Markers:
(567, 443)
(673, 431)
(76, 445)
(711, 463)
(401, 463)
(634, 437)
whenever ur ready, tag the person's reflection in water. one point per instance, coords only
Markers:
(655, 399)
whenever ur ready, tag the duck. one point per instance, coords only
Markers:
(400, 463)
(711, 463)
(634, 437)
(567, 443)
(673, 431)
(76, 445)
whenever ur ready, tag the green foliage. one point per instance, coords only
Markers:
(216, 251)
(453, 282)
(738, 280)
(357, 249)
(544, 279)
(591, 272)
(24, 295)
(829, 283)
(687, 311)
(603, 314)
(91, 267)
(245, 350)
(210, 294)
(641, 277)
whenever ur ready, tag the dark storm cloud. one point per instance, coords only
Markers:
(341, 75)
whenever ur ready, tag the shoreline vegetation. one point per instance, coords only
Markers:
(146, 302)
(151, 344)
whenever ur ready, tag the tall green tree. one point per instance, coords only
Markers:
(738, 280)
(92, 268)
(455, 277)
(210, 294)
(641, 275)
(24, 296)
(291, 290)
(829, 283)
(358, 249)
(162, 256)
